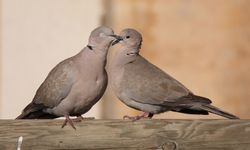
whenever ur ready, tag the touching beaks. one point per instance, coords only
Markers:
(117, 39)
(116, 36)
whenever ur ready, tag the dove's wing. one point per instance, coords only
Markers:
(53, 90)
(145, 83)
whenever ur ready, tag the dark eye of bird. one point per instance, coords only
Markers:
(127, 37)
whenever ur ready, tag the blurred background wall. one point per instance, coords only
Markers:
(203, 44)
(36, 35)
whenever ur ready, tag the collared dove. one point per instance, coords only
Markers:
(75, 84)
(143, 86)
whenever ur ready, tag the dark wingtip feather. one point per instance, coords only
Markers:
(35, 111)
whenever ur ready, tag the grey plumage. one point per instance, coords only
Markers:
(75, 84)
(143, 86)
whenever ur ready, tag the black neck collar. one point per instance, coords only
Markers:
(90, 47)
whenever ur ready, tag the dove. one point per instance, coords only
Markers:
(141, 85)
(74, 85)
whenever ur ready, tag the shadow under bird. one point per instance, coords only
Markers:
(74, 85)
(143, 86)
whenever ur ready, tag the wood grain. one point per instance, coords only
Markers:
(121, 134)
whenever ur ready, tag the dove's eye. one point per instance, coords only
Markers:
(127, 37)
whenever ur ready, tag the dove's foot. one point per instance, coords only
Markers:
(77, 119)
(67, 119)
(135, 118)
(80, 118)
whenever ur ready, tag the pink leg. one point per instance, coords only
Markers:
(77, 119)
(135, 118)
(80, 118)
(67, 119)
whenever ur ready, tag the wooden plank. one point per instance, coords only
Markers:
(124, 134)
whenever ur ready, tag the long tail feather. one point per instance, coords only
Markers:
(215, 110)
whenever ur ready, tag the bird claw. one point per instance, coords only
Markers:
(67, 119)
(77, 119)
(80, 118)
(135, 118)
(128, 117)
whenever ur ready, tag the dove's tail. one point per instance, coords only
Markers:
(193, 104)
(217, 111)
(35, 111)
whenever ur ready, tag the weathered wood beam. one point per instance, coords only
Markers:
(121, 134)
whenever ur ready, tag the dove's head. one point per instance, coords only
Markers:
(102, 37)
(131, 41)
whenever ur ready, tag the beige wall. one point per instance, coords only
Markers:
(204, 44)
(0, 56)
(36, 35)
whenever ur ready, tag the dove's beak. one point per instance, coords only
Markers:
(117, 39)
